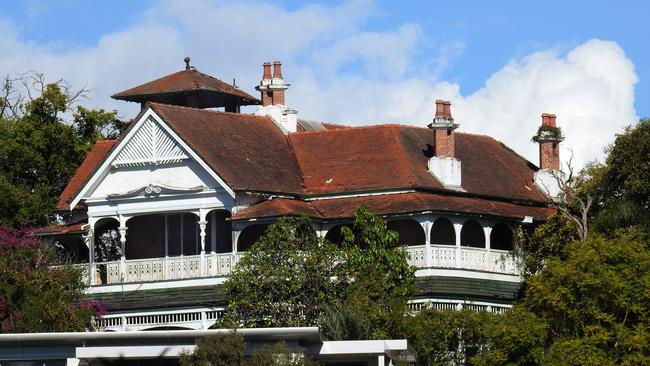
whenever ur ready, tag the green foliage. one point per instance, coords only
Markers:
(218, 350)
(545, 133)
(284, 280)
(599, 295)
(628, 163)
(588, 306)
(280, 355)
(513, 338)
(292, 277)
(39, 153)
(229, 350)
(621, 186)
(34, 296)
(546, 241)
(379, 279)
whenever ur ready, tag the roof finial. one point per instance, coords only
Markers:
(187, 63)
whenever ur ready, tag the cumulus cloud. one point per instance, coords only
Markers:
(342, 72)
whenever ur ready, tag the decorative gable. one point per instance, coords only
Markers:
(151, 145)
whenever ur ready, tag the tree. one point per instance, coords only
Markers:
(229, 349)
(218, 350)
(285, 279)
(379, 279)
(39, 152)
(622, 185)
(36, 295)
(292, 277)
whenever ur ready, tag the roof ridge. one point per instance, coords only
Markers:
(303, 186)
(163, 105)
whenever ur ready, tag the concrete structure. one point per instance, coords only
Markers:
(163, 347)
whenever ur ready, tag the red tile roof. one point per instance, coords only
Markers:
(62, 229)
(251, 153)
(94, 158)
(191, 81)
(399, 203)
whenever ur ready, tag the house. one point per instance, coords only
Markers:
(161, 215)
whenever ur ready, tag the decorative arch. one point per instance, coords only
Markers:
(442, 232)
(250, 235)
(472, 235)
(107, 240)
(218, 232)
(501, 237)
(410, 231)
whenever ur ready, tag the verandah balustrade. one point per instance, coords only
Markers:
(222, 264)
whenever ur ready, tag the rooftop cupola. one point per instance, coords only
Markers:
(189, 88)
(444, 165)
(549, 136)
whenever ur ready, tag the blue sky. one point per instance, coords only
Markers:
(476, 53)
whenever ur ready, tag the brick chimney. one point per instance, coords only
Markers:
(549, 143)
(549, 137)
(444, 165)
(272, 87)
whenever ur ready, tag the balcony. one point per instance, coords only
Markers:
(221, 265)
(464, 258)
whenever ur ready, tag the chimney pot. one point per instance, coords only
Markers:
(277, 69)
(267, 71)
(447, 109)
(440, 108)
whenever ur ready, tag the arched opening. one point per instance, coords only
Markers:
(218, 232)
(410, 232)
(107, 240)
(501, 237)
(442, 232)
(472, 235)
(334, 234)
(160, 235)
(250, 235)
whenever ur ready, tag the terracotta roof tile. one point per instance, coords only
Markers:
(249, 152)
(94, 158)
(184, 81)
(62, 229)
(401, 203)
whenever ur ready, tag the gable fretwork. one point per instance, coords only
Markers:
(151, 145)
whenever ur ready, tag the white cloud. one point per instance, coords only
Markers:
(591, 89)
(344, 73)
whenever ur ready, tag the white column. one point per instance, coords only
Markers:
(89, 240)
(203, 223)
(123, 229)
(458, 226)
(427, 242)
(489, 265)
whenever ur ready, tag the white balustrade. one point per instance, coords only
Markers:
(475, 259)
(219, 265)
(192, 318)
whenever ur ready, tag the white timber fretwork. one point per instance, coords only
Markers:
(150, 145)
